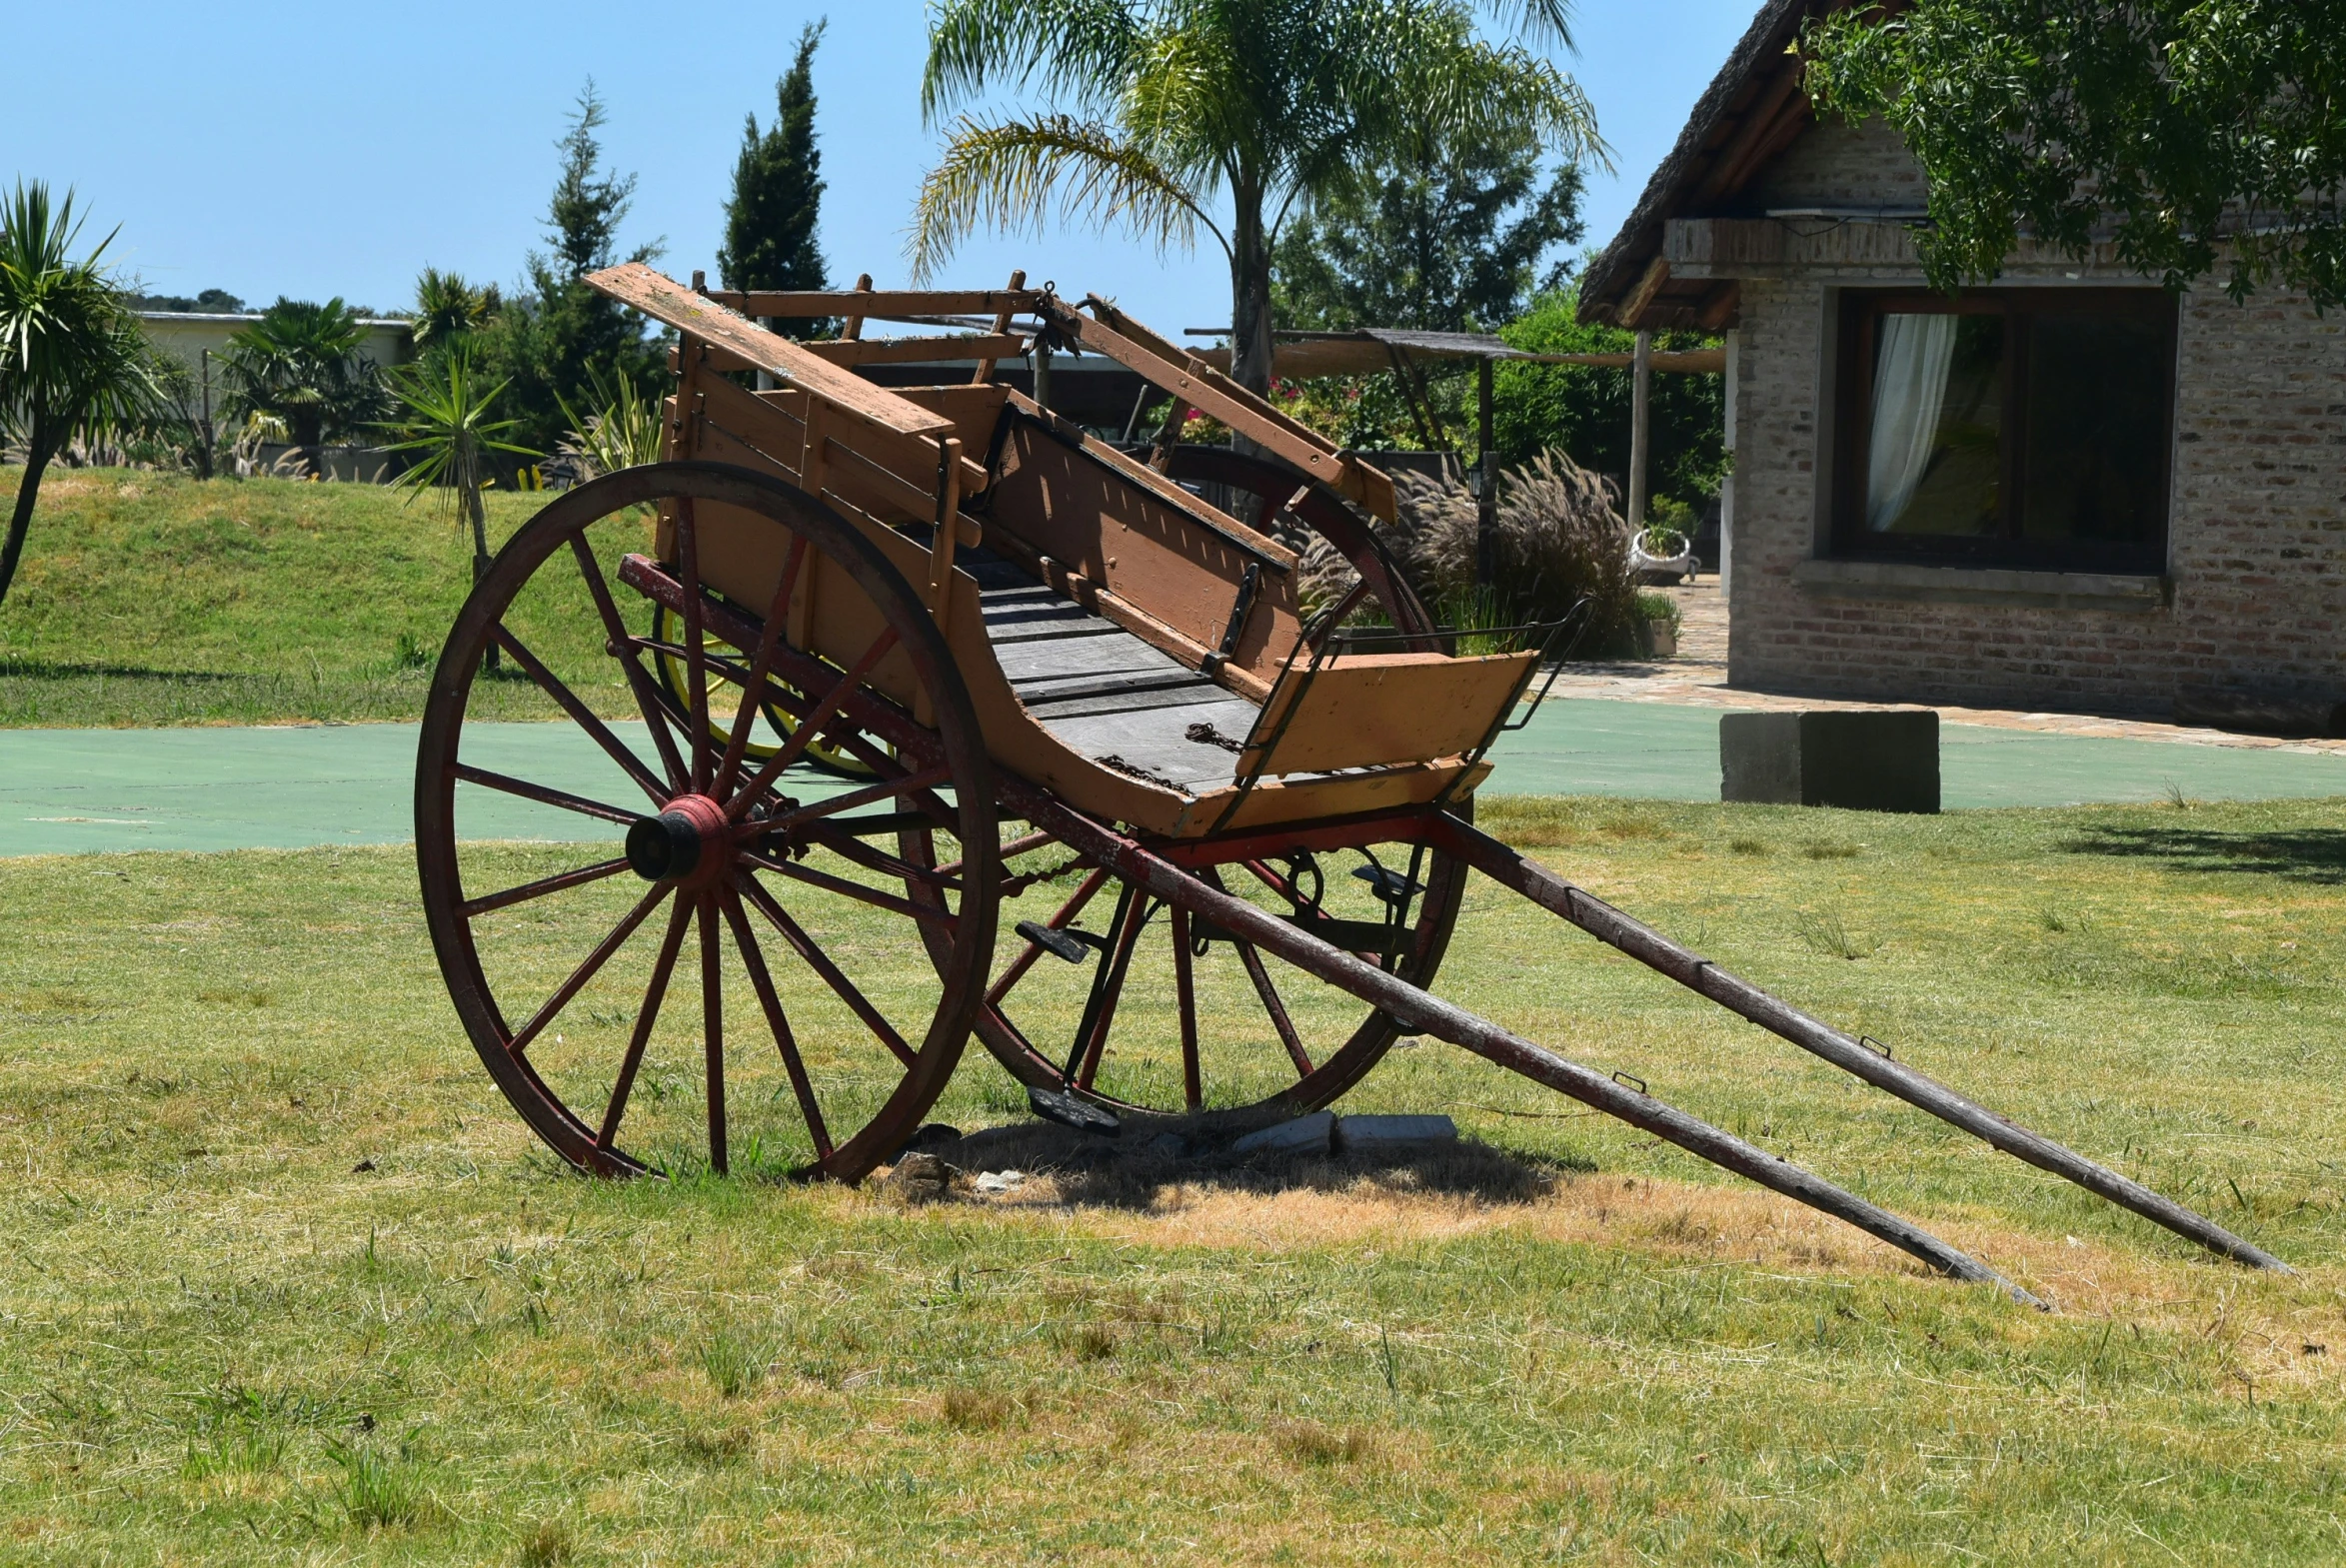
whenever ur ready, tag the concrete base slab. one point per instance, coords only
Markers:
(1365, 1134)
(1312, 1134)
(1864, 761)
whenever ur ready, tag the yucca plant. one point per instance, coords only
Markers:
(73, 358)
(447, 425)
(621, 430)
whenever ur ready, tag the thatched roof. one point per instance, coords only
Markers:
(1751, 111)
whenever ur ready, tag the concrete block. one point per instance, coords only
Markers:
(1369, 1134)
(1310, 1134)
(1865, 762)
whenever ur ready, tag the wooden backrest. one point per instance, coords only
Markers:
(1161, 552)
(974, 409)
(1377, 709)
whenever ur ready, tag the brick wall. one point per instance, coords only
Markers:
(2256, 534)
(1835, 164)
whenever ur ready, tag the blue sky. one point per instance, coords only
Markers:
(315, 150)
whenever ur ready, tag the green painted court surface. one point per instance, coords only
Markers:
(66, 790)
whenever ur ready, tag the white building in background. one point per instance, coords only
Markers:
(200, 340)
(186, 335)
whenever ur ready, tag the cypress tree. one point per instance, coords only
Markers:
(562, 337)
(777, 191)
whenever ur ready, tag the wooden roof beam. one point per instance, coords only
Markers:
(1763, 133)
(1634, 306)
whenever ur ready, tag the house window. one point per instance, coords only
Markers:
(2012, 427)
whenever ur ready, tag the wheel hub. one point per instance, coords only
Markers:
(686, 843)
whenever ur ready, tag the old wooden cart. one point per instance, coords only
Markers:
(1042, 674)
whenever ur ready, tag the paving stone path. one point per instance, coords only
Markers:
(1697, 678)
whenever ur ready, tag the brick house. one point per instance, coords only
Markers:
(2069, 489)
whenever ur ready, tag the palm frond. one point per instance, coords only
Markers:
(445, 420)
(1540, 20)
(1083, 48)
(1011, 174)
(73, 359)
(1420, 75)
(621, 430)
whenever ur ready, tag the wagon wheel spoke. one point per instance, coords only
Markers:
(639, 679)
(849, 847)
(1271, 880)
(930, 913)
(696, 654)
(541, 886)
(543, 795)
(581, 714)
(1273, 1006)
(1024, 844)
(1133, 910)
(820, 962)
(585, 972)
(886, 788)
(1268, 994)
(1016, 970)
(713, 1028)
(815, 718)
(777, 614)
(646, 1016)
(762, 981)
(1185, 1000)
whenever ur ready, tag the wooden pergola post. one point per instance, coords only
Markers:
(1640, 425)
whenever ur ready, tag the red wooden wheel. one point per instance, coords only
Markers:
(1147, 1020)
(867, 995)
(1159, 1015)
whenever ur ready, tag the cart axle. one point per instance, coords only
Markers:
(686, 843)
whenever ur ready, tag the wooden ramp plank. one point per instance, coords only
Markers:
(665, 300)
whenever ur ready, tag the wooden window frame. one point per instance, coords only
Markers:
(1860, 312)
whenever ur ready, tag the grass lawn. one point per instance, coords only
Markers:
(284, 1281)
(153, 599)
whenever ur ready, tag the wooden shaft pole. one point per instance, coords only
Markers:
(1428, 1014)
(1640, 425)
(1608, 925)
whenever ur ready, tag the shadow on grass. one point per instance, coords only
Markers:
(1158, 1154)
(51, 670)
(2309, 855)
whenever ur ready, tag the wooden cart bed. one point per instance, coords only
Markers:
(1121, 639)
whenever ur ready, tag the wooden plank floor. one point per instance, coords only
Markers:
(1101, 689)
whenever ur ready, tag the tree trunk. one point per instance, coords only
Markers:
(468, 474)
(1250, 362)
(309, 439)
(36, 463)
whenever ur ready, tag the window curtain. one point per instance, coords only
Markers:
(1909, 386)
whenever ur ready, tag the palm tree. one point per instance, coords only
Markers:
(301, 363)
(72, 356)
(1226, 115)
(448, 308)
